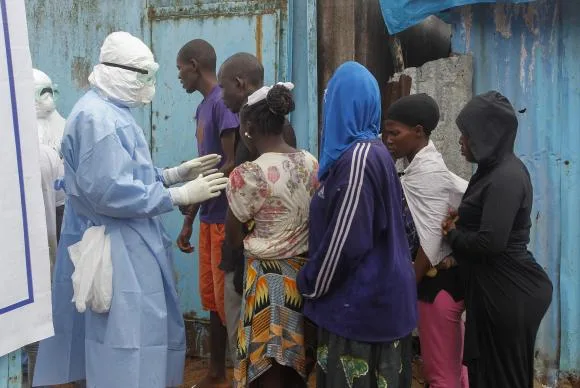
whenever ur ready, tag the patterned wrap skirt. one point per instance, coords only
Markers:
(272, 327)
(344, 363)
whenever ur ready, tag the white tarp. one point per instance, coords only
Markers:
(25, 305)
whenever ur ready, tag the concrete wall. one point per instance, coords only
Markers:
(448, 81)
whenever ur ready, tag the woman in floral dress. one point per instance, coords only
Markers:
(275, 192)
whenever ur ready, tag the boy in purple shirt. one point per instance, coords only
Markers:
(215, 134)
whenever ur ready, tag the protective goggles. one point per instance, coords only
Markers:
(53, 91)
(146, 76)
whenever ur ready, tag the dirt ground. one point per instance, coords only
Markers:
(195, 370)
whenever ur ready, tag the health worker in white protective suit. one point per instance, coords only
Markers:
(110, 181)
(50, 122)
(50, 126)
(51, 168)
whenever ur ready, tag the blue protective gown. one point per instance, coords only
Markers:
(110, 180)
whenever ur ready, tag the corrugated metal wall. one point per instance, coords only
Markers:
(531, 54)
(66, 35)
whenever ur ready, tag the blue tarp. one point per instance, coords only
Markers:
(402, 14)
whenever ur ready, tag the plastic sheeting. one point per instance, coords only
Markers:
(402, 14)
(25, 304)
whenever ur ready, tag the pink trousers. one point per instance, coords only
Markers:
(441, 332)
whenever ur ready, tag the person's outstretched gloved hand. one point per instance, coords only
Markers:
(189, 170)
(199, 190)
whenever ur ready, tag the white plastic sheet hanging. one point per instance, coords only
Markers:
(93, 275)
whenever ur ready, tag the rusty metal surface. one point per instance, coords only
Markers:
(397, 89)
(530, 53)
(355, 30)
(394, 90)
(211, 9)
(352, 30)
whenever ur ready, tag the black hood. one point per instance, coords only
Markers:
(490, 123)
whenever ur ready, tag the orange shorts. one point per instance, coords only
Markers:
(211, 278)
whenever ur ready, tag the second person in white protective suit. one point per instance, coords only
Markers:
(50, 126)
(51, 169)
(50, 122)
(110, 180)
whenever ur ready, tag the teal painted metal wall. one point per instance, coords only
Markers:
(10, 370)
(530, 53)
(65, 37)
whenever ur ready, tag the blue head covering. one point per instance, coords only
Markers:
(352, 112)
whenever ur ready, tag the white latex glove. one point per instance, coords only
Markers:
(199, 190)
(190, 170)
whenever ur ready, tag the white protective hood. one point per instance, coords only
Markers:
(431, 190)
(49, 122)
(121, 85)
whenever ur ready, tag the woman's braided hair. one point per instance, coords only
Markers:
(268, 116)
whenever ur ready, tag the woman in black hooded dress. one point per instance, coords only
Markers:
(506, 292)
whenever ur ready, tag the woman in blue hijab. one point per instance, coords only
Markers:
(359, 284)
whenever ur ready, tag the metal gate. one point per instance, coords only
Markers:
(258, 27)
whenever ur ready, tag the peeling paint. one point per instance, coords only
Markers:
(530, 16)
(554, 28)
(532, 65)
(530, 54)
(80, 71)
(11, 370)
(259, 37)
(467, 21)
(502, 21)
(523, 58)
(213, 10)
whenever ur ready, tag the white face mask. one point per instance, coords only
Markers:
(147, 82)
(44, 105)
(45, 94)
(131, 89)
(146, 94)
